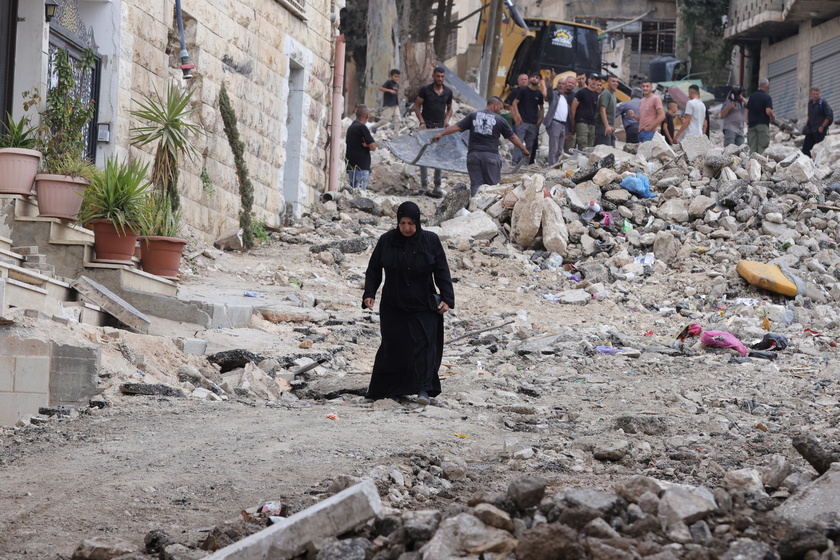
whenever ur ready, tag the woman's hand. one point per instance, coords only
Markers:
(443, 307)
(369, 302)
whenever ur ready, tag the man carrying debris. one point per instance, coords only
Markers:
(433, 108)
(484, 164)
(820, 117)
(694, 117)
(360, 144)
(584, 108)
(390, 99)
(527, 109)
(605, 129)
(759, 114)
(651, 113)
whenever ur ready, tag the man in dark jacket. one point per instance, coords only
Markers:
(820, 117)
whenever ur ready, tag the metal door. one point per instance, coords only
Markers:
(825, 71)
(784, 88)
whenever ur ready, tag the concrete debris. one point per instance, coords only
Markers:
(231, 240)
(123, 311)
(151, 389)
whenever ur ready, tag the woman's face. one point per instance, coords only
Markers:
(407, 227)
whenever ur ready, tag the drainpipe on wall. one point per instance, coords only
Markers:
(186, 65)
(337, 110)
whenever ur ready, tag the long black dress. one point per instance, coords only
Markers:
(409, 357)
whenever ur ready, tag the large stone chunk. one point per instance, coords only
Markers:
(466, 534)
(607, 503)
(582, 195)
(665, 246)
(674, 210)
(527, 491)
(801, 170)
(102, 548)
(588, 171)
(634, 488)
(289, 537)
(822, 497)
(456, 199)
(605, 176)
(657, 148)
(527, 214)
(698, 206)
(475, 225)
(688, 506)
(549, 541)
(555, 234)
(695, 146)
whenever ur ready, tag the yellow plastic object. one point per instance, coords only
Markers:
(767, 277)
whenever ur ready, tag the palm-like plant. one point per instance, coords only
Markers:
(18, 134)
(119, 194)
(161, 219)
(167, 126)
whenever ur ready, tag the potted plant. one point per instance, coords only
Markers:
(18, 157)
(160, 244)
(114, 207)
(65, 170)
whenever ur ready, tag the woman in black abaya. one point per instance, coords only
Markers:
(411, 310)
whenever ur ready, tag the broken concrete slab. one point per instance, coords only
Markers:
(555, 234)
(475, 225)
(289, 537)
(456, 199)
(696, 146)
(123, 311)
(821, 497)
(291, 314)
(587, 172)
(151, 389)
(527, 214)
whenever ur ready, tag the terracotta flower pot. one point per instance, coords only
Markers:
(59, 196)
(18, 167)
(109, 245)
(161, 255)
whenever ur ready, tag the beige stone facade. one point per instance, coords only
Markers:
(275, 65)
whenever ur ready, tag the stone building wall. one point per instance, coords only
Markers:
(277, 70)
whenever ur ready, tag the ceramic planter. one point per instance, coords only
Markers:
(161, 255)
(18, 167)
(109, 245)
(59, 196)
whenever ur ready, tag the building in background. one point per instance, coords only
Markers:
(793, 43)
(274, 57)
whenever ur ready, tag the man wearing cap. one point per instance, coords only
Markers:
(584, 108)
(527, 110)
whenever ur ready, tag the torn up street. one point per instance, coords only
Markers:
(572, 422)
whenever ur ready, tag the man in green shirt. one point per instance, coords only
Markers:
(605, 121)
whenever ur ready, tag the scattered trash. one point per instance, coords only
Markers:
(771, 341)
(608, 350)
(638, 185)
(456, 434)
(720, 339)
(332, 416)
(251, 294)
(770, 277)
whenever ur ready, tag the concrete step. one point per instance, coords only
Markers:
(57, 290)
(26, 250)
(119, 277)
(44, 268)
(5, 243)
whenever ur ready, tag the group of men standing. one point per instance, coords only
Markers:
(581, 113)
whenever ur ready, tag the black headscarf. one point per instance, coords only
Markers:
(413, 247)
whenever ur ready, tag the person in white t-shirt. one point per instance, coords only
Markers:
(695, 115)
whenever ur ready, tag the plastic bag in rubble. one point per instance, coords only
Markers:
(638, 185)
(771, 341)
(720, 339)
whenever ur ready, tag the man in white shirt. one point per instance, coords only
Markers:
(695, 115)
(557, 118)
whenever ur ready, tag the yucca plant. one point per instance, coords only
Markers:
(167, 126)
(161, 219)
(120, 194)
(18, 134)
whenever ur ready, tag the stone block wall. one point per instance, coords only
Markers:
(261, 52)
(36, 373)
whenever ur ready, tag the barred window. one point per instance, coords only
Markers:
(657, 37)
(297, 7)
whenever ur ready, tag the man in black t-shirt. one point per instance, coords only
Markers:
(390, 99)
(484, 164)
(360, 144)
(584, 108)
(527, 109)
(759, 114)
(433, 108)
